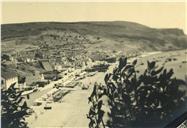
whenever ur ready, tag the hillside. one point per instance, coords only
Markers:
(97, 36)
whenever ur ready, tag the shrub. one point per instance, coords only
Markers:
(13, 108)
(96, 113)
(138, 100)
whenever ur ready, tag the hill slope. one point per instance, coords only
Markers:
(107, 36)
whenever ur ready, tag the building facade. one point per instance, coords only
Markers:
(8, 78)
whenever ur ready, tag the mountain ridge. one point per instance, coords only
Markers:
(43, 25)
(113, 35)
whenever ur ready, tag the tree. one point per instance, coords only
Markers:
(13, 108)
(138, 100)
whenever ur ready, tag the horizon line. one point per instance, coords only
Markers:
(87, 21)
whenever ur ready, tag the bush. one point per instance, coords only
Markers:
(138, 100)
(13, 109)
(96, 113)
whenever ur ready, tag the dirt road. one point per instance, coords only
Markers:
(70, 113)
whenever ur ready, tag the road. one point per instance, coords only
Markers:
(41, 91)
(36, 95)
(71, 112)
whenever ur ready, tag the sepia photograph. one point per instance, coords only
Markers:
(95, 64)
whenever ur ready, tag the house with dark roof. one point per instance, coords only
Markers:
(8, 77)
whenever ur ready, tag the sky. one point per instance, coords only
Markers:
(152, 14)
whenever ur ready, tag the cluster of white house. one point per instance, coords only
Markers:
(10, 76)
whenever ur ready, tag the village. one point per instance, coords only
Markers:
(46, 73)
(48, 83)
(41, 64)
(93, 64)
(57, 75)
(56, 55)
(45, 86)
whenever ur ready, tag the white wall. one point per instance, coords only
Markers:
(10, 81)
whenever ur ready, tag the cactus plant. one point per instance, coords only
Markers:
(153, 95)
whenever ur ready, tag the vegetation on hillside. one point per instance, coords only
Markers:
(159, 39)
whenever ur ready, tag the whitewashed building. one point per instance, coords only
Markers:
(8, 77)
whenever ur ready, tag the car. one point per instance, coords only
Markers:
(47, 106)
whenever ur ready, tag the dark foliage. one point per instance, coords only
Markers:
(13, 108)
(96, 113)
(142, 100)
(5, 57)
